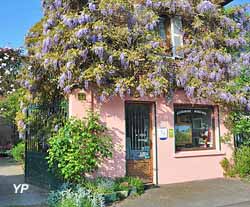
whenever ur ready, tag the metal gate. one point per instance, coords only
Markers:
(37, 171)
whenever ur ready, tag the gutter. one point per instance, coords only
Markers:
(156, 147)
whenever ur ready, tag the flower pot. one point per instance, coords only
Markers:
(123, 194)
(133, 191)
(110, 197)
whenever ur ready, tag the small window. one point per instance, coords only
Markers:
(170, 30)
(194, 128)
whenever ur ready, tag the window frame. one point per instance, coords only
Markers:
(169, 30)
(213, 125)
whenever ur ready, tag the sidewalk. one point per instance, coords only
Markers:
(12, 173)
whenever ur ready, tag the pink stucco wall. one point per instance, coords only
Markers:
(173, 167)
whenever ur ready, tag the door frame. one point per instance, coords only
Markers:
(152, 112)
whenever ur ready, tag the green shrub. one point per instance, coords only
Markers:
(79, 148)
(242, 161)
(129, 183)
(79, 196)
(105, 185)
(18, 152)
(228, 167)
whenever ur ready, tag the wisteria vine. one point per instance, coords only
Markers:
(114, 48)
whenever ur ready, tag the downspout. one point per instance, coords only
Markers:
(219, 128)
(156, 148)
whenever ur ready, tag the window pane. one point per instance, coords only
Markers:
(193, 128)
(177, 25)
(162, 29)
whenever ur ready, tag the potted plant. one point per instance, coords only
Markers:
(106, 187)
(122, 189)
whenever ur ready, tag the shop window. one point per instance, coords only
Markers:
(194, 128)
(170, 30)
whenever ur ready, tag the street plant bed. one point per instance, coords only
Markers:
(97, 192)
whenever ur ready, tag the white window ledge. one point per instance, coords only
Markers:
(198, 153)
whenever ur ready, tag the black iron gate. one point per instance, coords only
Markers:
(37, 132)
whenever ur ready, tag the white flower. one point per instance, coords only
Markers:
(4, 64)
(6, 57)
(7, 72)
(12, 58)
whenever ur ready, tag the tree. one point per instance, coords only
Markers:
(113, 47)
(10, 64)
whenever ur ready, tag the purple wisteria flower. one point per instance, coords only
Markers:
(98, 80)
(56, 39)
(248, 106)
(84, 18)
(67, 90)
(110, 60)
(69, 74)
(245, 57)
(206, 6)
(149, 3)
(190, 91)
(243, 100)
(82, 32)
(69, 64)
(62, 80)
(84, 54)
(47, 44)
(92, 7)
(70, 22)
(141, 91)
(99, 51)
(122, 59)
(154, 44)
(58, 3)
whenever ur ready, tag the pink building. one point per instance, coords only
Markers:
(158, 140)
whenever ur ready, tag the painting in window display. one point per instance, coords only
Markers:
(194, 128)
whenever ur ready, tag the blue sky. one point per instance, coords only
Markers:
(17, 16)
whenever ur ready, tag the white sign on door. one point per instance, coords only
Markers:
(162, 133)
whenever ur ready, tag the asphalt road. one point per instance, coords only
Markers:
(209, 193)
(12, 173)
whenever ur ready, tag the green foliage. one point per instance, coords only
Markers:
(11, 61)
(228, 167)
(105, 186)
(239, 124)
(242, 161)
(18, 152)
(131, 182)
(79, 147)
(68, 196)
(10, 105)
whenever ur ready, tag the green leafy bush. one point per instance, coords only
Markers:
(78, 148)
(18, 152)
(105, 185)
(228, 167)
(242, 161)
(129, 183)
